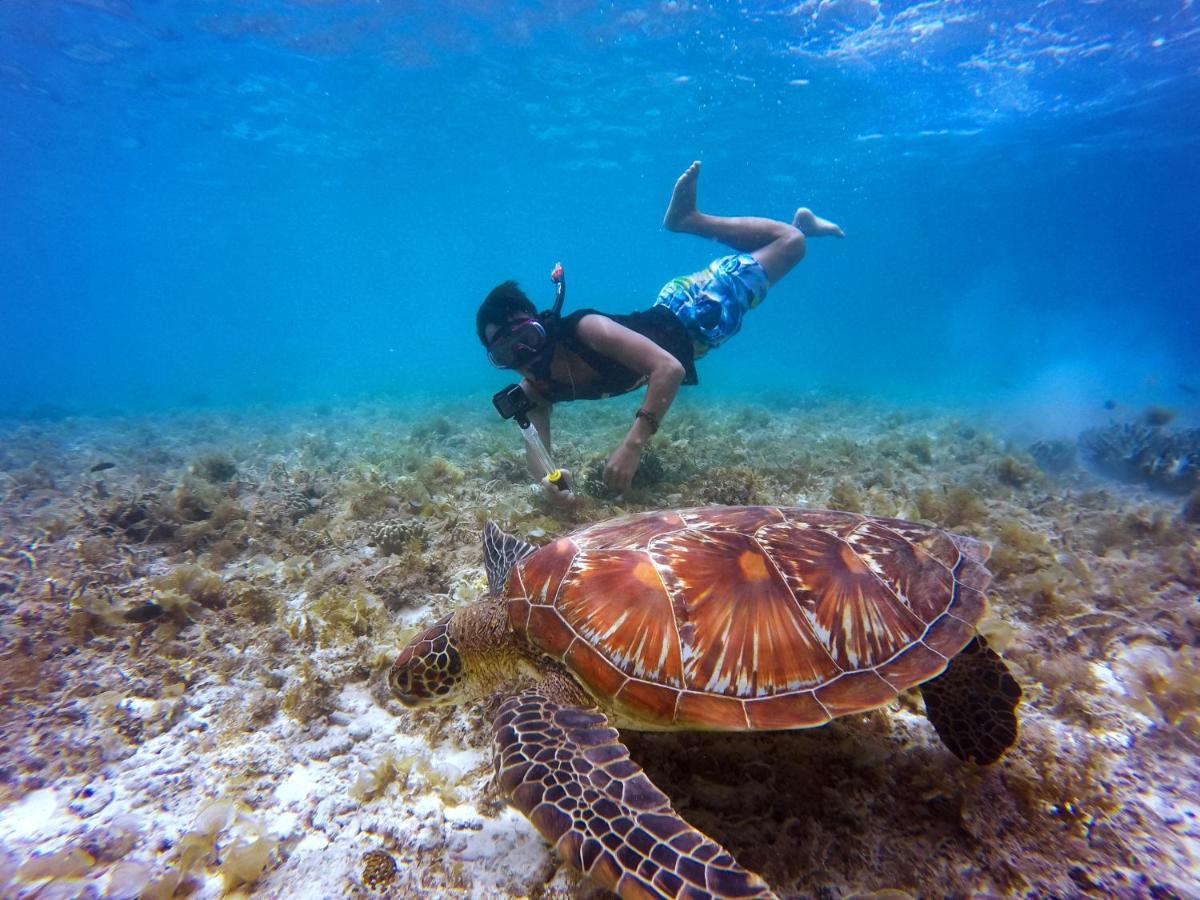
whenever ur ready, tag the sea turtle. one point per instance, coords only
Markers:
(720, 619)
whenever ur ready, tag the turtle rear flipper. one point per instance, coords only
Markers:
(568, 771)
(972, 704)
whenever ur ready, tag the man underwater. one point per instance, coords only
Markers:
(589, 355)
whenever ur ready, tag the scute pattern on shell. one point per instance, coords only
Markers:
(750, 617)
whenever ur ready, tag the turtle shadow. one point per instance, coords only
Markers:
(830, 811)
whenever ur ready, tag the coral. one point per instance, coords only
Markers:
(294, 503)
(379, 870)
(1132, 452)
(397, 536)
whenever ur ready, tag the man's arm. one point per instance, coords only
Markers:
(664, 375)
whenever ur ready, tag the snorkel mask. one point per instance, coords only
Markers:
(518, 344)
(521, 342)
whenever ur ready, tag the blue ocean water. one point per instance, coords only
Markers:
(228, 203)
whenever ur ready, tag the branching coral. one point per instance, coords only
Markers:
(1169, 459)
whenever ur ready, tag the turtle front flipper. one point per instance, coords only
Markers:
(568, 771)
(972, 704)
(500, 553)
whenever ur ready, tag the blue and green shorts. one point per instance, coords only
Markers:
(712, 302)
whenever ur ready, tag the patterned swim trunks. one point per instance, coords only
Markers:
(711, 303)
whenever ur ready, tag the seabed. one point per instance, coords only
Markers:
(199, 610)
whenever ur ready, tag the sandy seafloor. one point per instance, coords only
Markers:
(243, 741)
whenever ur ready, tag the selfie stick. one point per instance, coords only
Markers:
(537, 452)
(533, 440)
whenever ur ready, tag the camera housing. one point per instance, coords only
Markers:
(513, 403)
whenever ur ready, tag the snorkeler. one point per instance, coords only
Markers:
(589, 355)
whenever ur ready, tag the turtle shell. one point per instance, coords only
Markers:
(739, 618)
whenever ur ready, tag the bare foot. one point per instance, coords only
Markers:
(815, 226)
(682, 208)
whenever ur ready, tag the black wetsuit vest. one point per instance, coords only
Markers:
(574, 371)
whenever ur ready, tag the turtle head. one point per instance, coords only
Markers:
(429, 671)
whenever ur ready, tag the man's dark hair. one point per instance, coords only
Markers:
(498, 308)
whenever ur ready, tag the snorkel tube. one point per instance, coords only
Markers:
(549, 318)
(513, 403)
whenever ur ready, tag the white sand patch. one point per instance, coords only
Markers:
(295, 785)
(33, 818)
(300, 784)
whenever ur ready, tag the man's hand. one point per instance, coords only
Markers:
(561, 498)
(621, 465)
